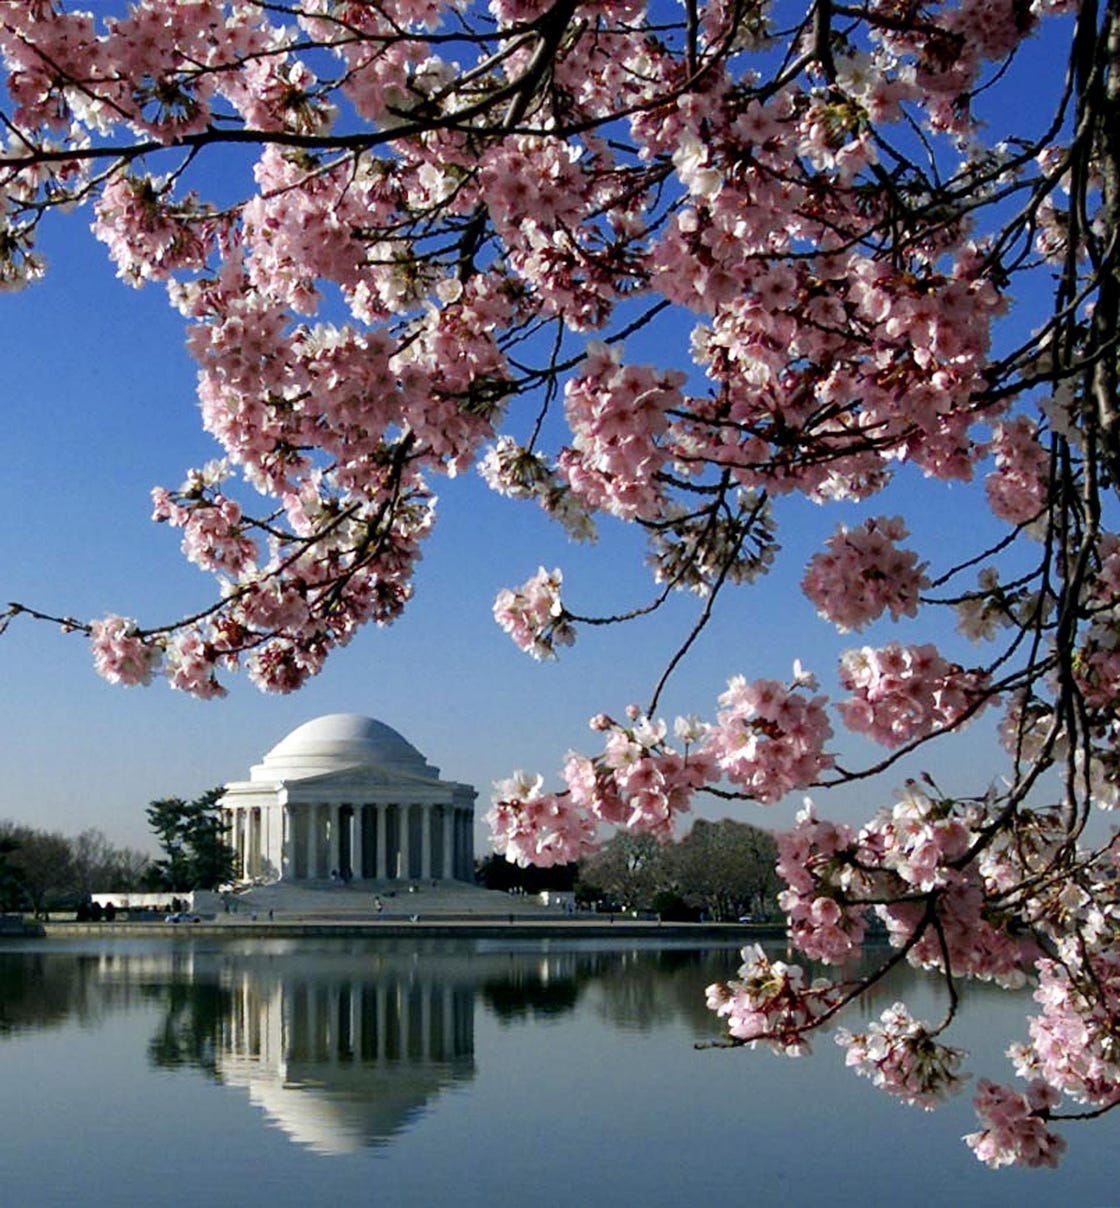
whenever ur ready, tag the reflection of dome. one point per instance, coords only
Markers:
(341, 1054)
(362, 1108)
(337, 741)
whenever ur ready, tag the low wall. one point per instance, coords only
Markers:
(156, 902)
(585, 928)
(16, 926)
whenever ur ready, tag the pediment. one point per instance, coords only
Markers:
(360, 775)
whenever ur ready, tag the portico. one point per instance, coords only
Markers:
(345, 796)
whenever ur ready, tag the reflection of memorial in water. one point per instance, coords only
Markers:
(341, 1059)
(344, 1045)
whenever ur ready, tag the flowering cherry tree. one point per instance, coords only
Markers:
(460, 217)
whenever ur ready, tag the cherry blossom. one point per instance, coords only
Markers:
(772, 1003)
(1015, 1131)
(120, 653)
(704, 271)
(863, 574)
(769, 739)
(900, 693)
(534, 617)
(900, 1055)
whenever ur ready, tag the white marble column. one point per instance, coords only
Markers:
(448, 818)
(274, 839)
(265, 859)
(312, 812)
(381, 865)
(334, 829)
(426, 842)
(254, 861)
(242, 845)
(404, 828)
(287, 846)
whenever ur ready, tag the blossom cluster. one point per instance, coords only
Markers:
(1075, 1041)
(772, 1003)
(825, 919)
(863, 573)
(482, 209)
(213, 535)
(914, 866)
(1098, 667)
(926, 845)
(1014, 1126)
(769, 738)
(617, 414)
(902, 1057)
(120, 654)
(901, 693)
(533, 615)
(1019, 485)
(529, 826)
(639, 781)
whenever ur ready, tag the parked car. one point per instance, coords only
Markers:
(183, 917)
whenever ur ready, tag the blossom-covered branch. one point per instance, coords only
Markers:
(462, 215)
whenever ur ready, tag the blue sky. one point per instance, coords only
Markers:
(101, 408)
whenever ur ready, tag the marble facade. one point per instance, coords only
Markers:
(346, 797)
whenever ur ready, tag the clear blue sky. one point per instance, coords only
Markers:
(101, 407)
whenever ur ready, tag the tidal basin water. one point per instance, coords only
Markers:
(176, 1071)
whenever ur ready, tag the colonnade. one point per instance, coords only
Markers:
(366, 841)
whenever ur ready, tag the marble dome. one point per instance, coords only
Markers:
(347, 797)
(337, 741)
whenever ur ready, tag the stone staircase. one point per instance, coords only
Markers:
(358, 901)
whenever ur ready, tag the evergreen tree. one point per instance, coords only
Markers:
(192, 836)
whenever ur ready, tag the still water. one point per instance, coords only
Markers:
(191, 1072)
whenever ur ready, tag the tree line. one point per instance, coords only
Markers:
(719, 871)
(41, 871)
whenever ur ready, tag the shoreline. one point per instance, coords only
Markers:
(309, 926)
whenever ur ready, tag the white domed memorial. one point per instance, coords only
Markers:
(345, 797)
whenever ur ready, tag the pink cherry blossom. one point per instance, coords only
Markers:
(900, 693)
(533, 615)
(863, 573)
(901, 1056)
(701, 271)
(1014, 1126)
(120, 653)
(771, 1003)
(769, 739)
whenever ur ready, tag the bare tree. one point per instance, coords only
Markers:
(726, 868)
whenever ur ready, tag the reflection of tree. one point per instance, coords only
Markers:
(636, 987)
(42, 990)
(191, 1030)
(647, 988)
(530, 996)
